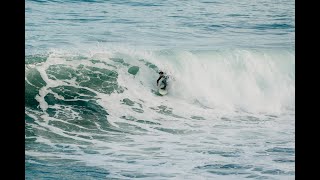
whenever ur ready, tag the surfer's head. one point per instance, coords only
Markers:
(160, 73)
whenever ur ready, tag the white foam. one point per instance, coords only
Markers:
(222, 88)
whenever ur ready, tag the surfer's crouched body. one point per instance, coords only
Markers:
(163, 81)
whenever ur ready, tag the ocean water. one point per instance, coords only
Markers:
(92, 110)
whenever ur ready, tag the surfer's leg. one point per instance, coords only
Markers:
(165, 84)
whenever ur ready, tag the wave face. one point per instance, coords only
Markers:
(252, 81)
(96, 112)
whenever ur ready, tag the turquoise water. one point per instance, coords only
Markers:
(190, 25)
(92, 107)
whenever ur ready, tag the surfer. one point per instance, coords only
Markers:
(164, 81)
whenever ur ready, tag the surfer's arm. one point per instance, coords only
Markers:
(158, 80)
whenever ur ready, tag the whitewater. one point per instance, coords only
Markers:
(92, 110)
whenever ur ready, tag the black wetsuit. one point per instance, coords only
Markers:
(163, 81)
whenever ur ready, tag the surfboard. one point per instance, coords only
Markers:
(162, 92)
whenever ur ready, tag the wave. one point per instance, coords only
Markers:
(88, 107)
(257, 81)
